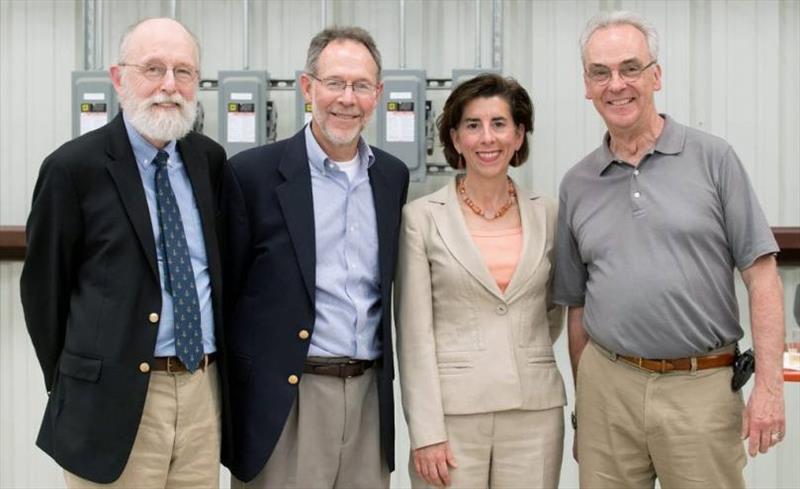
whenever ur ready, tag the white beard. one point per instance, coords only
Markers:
(159, 124)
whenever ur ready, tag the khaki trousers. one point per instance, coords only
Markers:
(331, 438)
(503, 449)
(635, 426)
(178, 441)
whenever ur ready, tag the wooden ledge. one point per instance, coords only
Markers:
(12, 244)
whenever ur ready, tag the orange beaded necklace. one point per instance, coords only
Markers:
(489, 216)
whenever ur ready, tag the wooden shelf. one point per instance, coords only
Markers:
(12, 243)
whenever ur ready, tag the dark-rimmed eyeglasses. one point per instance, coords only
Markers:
(157, 72)
(629, 72)
(337, 85)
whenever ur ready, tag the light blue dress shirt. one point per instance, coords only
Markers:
(144, 152)
(348, 290)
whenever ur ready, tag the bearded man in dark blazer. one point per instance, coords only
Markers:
(121, 286)
(311, 228)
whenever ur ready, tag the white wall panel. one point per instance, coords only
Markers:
(729, 67)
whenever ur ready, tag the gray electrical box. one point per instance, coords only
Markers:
(94, 101)
(302, 109)
(244, 117)
(401, 119)
(464, 74)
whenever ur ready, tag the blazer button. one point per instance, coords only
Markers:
(501, 309)
(303, 334)
(144, 367)
(153, 317)
(293, 379)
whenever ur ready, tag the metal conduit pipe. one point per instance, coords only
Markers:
(98, 36)
(402, 34)
(497, 35)
(245, 34)
(323, 13)
(88, 34)
(173, 9)
(477, 33)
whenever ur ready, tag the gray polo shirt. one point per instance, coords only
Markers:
(649, 251)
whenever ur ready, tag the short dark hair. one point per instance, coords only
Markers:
(335, 33)
(484, 86)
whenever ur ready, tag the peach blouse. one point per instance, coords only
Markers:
(500, 250)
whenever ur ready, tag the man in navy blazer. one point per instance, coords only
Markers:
(127, 407)
(311, 227)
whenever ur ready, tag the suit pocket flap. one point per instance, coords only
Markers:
(80, 367)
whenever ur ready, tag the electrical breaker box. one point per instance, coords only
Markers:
(243, 111)
(94, 101)
(401, 119)
(461, 75)
(302, 109)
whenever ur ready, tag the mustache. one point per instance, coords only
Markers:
(161, 98)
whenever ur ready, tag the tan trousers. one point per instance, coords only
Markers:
(504, 449)
(331, 438)
(635, 426)
(178, 442)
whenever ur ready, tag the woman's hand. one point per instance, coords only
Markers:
(431, 463)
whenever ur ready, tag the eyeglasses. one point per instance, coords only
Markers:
(629, 72)
(336, 85)
(157, 72)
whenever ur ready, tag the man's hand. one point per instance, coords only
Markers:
(763, 422)
(431, 463)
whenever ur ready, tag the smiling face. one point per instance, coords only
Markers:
(623, 105)
(487, 138)
(160, 109)
(338, 118)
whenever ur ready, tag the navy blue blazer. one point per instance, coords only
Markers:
(269, 268)
(90, 284)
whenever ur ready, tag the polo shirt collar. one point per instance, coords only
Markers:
(317, 156)
(670, 142)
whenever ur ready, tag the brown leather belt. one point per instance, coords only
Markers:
(673, 364)
(343, 370)
(173, 365)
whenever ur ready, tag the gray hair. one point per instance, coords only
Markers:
(124, 43)
(335, 33)
(620, 17)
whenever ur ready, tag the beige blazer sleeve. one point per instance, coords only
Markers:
(416, 347)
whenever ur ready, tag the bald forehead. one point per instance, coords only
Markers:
(616, 44)
(160, 35)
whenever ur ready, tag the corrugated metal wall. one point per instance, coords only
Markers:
(730, 67)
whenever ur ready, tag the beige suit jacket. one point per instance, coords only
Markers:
(464, 347)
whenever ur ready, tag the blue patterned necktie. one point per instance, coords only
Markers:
(179, 280)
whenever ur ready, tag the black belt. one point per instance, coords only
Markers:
(343, 370)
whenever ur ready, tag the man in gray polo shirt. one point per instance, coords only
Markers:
(651, 225)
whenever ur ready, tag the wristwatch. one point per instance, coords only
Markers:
(574, 418)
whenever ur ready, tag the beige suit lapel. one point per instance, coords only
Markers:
(453, 230)
(534, 231)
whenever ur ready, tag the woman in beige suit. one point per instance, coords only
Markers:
(481, 392)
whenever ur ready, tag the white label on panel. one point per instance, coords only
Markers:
(94, 96)
(400, 126)
(400, 95)
(93, 120)
(241, 96)
(241, 127)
